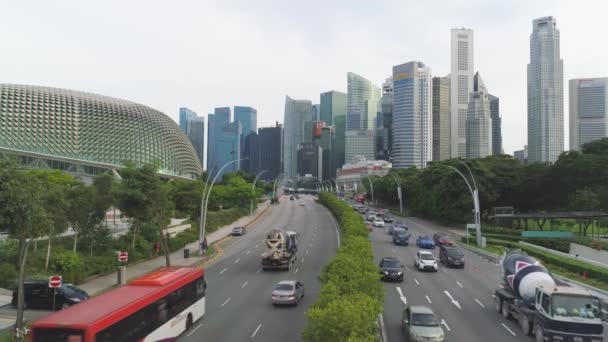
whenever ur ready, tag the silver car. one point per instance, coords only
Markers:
(288, 292)
(238, 230)
(421, 325)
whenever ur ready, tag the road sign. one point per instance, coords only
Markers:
(55, 281)
(123, 256)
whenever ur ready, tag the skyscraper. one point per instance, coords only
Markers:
(479, 121)
(386, 108)
(332, 103)
(441, 118)
(296, 113)
(184, 115)
(363, 100)
(316, 112)
(340, 141)
(228, 147)
(215, 123)
(461, 85)
(248, 117)
(269, 151)
(196, 134)
(412, 115)
(588, 110)
(496, 125)
(359, 143)
(545, 93)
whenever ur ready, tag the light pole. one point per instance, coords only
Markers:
(203, 223)
(475, 195)
(276, 181)
(253, 187)
(371, 186)
(399, 194)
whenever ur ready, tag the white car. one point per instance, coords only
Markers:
(425, 260)
(378, 222)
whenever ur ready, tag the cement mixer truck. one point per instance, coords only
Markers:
(281, 248)
(543, 309)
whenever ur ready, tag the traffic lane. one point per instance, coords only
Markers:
(428, 289)
(249, 312)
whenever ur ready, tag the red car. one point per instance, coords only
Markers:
(441, 239)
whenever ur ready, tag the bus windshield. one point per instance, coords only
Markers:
(575, 306)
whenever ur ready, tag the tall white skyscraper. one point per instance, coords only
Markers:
(588, 110)
(461, 85)
(412, 115)
(296, 113)
(479, 121)
(545, 93)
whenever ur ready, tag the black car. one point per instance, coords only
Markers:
(451, 256)
(388, 218)
(38, 295)
(291, 198)
(391, 269)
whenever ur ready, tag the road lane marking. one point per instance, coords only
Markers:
(480, 303)
(382, 328)
(310, 245)
(455, 302)
(259, 270)
(256, 330)
(407, 268)
(237, 260)
(245, 284)
(459, 284)
(247, 253)
(445, 325)
(302, 259)
(296, 271)
(226, 302)
(444, 271)
(401, 296)
(193, 330)
(506, 327)
(335, 226)
(222, 271)
(428, 299)
(416, 281)
(307, 252)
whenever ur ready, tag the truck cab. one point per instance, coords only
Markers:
(567, 314)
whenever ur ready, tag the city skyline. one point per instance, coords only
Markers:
(168, 81)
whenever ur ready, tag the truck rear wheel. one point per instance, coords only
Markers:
(524, 324)
(539, 334)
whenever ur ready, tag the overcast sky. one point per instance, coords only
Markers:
(206, 54)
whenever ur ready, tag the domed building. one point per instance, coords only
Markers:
(86, 134)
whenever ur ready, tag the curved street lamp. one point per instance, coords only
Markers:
(253, 187)
(475, 195)
(399, 194)
(276, 181)
(371, 185)
(203, 223)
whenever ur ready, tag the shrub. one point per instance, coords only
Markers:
(351, 295)
(8, 276)
(64, 261)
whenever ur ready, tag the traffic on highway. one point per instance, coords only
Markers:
(262, 282)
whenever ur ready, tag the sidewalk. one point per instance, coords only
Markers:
(102, 283)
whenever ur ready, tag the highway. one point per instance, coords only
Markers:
(238, 295)
(462, 299)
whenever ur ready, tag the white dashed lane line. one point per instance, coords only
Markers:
(237, 260)
(226, 302)
(222, 271)
(245, 284)
(509, 330)
(480, 303)
(256, 330)
(459, 284)
(428, 299)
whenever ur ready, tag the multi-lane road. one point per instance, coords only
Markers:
(462, 299)
(238, 294)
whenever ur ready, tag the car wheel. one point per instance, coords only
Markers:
(189, 322)
(498, 304)
(539, 334)
(505, 311)
(65, 306)
(524, 324)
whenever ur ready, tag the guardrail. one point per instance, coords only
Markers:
(565, 255)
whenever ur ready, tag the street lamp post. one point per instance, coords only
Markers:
(399, 193)
(276, 181)
(371, 186)
(203, 221)
(475, 195)
(253, 187)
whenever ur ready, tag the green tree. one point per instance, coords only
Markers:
(23, 215)
(142, 196)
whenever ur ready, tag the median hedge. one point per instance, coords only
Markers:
(351, 296)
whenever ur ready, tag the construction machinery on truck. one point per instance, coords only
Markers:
(543, 309)
(281, 250)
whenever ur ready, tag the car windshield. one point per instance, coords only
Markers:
(426, 256)
(454, 253)
(575, 306)
(284, 287)
(401, 234)
(390, 263)
(69, 290)
(236, 228)
(424, 320)
(424, 238)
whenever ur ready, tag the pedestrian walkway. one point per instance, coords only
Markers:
(99, 284)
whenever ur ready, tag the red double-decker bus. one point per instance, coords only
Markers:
(156, 307)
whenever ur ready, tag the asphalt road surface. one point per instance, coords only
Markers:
(238, 295)
(462, 299)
